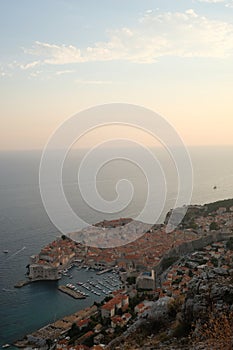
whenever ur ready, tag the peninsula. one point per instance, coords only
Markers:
(160, 273)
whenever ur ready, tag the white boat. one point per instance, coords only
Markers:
(6, 252)
(5, 346)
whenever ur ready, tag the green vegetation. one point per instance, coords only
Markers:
(135, 301)
(177, 280)
(227, 203)
(73, 332)
(214, 226)
(131, 280)
(214, 261)
(175, 306)
(192, 224)
(89, 341)
(229, 244)
(190, 273)
(181, 330)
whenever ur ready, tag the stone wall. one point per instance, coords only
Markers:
(191, 246)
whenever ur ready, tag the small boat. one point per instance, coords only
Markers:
(6, 252)
(5, 346)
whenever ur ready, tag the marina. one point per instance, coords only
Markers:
(60, 302)
(93, 286)
(86, 288)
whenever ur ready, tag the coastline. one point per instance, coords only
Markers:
(219, 215)
(53, 330)
(63, 323)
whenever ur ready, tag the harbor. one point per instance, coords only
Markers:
(62, 303)
(81, 290)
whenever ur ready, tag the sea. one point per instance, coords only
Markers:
(25, 226)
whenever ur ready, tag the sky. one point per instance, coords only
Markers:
(59, 57)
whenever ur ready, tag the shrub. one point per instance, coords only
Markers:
(214, 226)
(217, 332)
(181, 330)
(229, 244)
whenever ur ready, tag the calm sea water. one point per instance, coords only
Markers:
(25, 226)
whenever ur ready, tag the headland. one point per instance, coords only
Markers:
(155, 266)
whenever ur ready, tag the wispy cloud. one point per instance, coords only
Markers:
(62, 72)
(93, 82)
(4, 71)
(211, 1)
(229, 4)
(30, 65)
(55, 54)
(180, 34)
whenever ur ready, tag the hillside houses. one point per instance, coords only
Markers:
(119, 301)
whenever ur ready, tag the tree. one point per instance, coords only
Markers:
(131, 280)
(119, 312)
(74, 331)
(214, 226)
(193, 225)
(229, 244)
(49, 342)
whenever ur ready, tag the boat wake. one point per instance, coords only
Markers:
(16, 253)
(8, 290)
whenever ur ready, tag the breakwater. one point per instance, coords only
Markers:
(73, 293)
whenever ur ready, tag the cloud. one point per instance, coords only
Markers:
(180, 34)
(4, 71)
(93, 82)
(211, 1)
(229, 5)
(29, 65)
(62, 72)
(55, 54)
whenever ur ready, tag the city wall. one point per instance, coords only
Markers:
(191, 246)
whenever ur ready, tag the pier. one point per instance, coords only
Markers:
(71, 292)
(20, 284)
(104, 271)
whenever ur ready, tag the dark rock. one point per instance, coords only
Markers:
(220, 271)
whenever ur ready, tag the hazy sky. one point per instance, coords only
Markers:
(58, 57)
